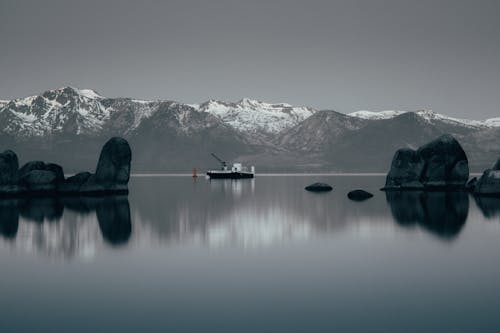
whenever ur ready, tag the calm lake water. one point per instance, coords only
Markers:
(262, 255)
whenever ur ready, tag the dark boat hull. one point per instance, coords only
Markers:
(229, 175)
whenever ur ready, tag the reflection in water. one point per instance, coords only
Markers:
(489, 206)
(72, 234)
(442, 213)
(244, 213)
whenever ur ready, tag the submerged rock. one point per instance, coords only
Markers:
(319, 187)
(359, 195)
(439, 164)
(489, 182)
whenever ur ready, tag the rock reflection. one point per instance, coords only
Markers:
(72, 235)
(489, 206)
(441, 213)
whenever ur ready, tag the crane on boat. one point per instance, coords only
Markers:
(221, 161)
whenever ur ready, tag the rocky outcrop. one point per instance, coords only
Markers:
(111, 176)
(113, 169)
(359, 195)
(8, 172)
(440, 164)
(319, 187)
(489, 183)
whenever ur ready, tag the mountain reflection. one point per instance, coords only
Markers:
(441, 213)
(48, 228)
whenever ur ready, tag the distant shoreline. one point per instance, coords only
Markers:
(138, 175)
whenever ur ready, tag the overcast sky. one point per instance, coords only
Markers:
(343, 55)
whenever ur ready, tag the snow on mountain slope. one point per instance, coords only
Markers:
(428, 115)
(61, 110)
(376, 115)
(492, 122)
(255, 117)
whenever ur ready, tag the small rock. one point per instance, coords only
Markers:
(359, 195)
(319, 187)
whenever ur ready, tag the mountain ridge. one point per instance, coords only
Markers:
(173, 136)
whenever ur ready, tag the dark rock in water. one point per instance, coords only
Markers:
(319, 187)
(39, 180)
(489, 182)
(406, 170)
(8, 172)
(471, 184)
(439, 164)
(74, 183)
(359, 195)
(113, 169)
(445, 163)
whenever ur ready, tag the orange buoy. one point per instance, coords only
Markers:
(194, 173)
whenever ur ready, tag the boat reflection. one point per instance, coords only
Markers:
(441, 213)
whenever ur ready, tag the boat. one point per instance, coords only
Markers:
(237, 171)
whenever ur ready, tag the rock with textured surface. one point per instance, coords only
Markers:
(39, 181)
(319, 187)
(489, 183)
(439, 164)
(113, 169)
(74, 183)
(8, 172)
(406, 170)
(446, 164)
(359, 195)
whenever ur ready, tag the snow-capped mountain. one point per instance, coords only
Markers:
(85, 112)
(428, 115)
(255, 117)
(68, 125)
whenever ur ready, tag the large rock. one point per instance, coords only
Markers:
(439, 164)
(113, 169)
(8, 172)
(489, 183)
(319, 187)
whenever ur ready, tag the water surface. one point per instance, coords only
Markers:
(260, 255)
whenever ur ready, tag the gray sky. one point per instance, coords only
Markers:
(344, 55)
